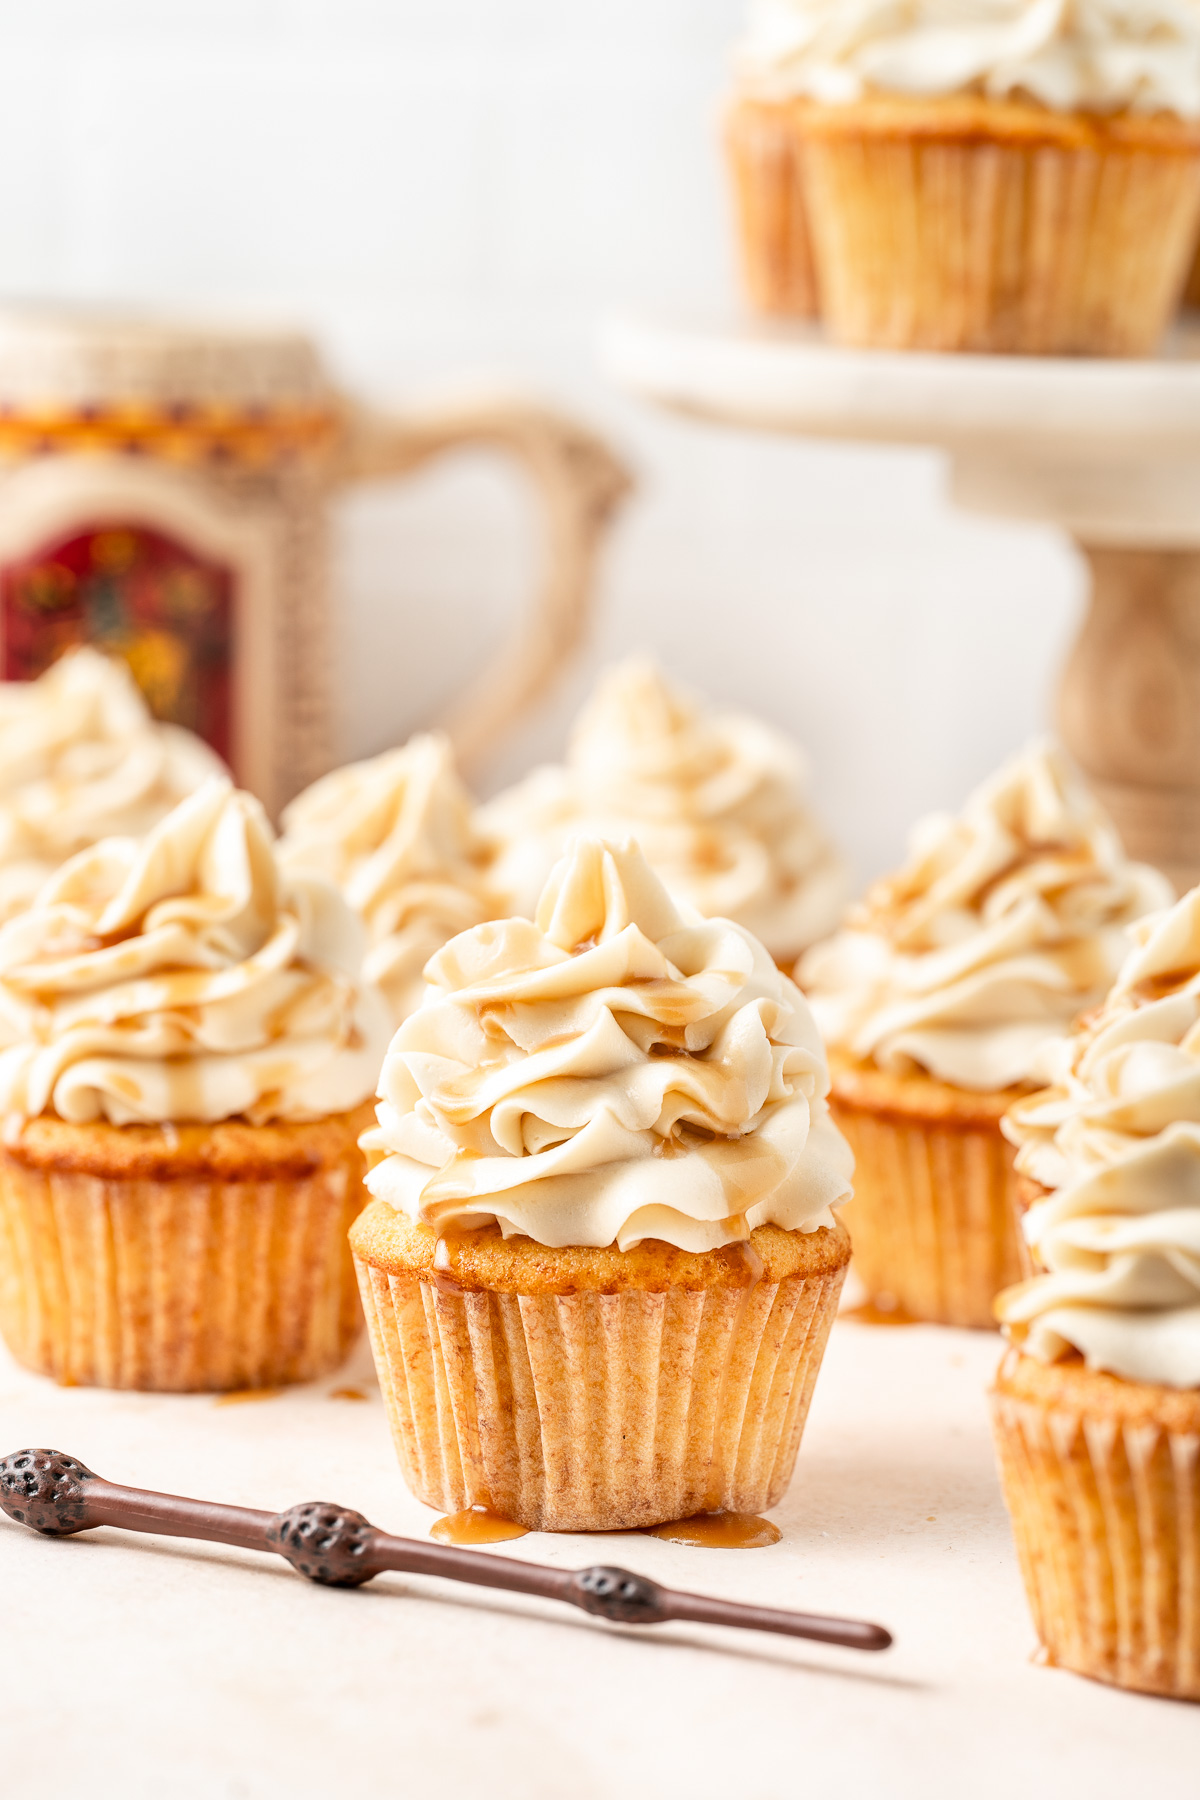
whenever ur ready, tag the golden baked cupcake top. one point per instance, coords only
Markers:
(621, 1069)
(1007, 921)
(186, 978)
(1116, 1140)
(81, 759)
(715, 798)
(1103, 56)
(396, 834)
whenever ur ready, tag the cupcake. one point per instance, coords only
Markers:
(188, 1048)
(601, 1264)
(716, 799)
(1097, 1405)
(1013, 177)
(81, 759)
(396, 835)
(938, 1001)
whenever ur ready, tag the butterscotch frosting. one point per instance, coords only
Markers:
(1116, 1138)
(619, 1069)
(396, 834)
(183, 977)
(1104, 56)
(716, 799)
(81, 759)
(1006, 922)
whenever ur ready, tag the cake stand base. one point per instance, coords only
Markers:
(1129, 701)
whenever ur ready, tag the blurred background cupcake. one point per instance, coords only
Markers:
(397, 835)
(938, 1001)
(1097, 1407)
(81, 759)
(190, 1051)
(1018, 177)
(601, 1265)
(716, 799)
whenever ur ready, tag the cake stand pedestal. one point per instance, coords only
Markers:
(1109, 451)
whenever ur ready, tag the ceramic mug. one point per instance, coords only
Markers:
(164, 494)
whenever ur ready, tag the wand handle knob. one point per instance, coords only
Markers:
(46, 1490)
(330, 1544)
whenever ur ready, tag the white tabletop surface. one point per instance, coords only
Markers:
(148, 1667)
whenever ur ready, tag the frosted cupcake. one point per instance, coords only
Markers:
(939, 1000)
(716, 799)
(396, 835)
(1097, 1407)
(190, 1045)
(81, 759)
(602, 1264)
(1010, 177)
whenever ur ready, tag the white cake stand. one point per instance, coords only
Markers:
(1110, 451)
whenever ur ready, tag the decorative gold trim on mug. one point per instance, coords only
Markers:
(185, 433)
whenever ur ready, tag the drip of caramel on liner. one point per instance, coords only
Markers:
(718, 1531)
(476, 1525)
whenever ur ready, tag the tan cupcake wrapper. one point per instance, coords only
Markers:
(592, 1411)
(927, 242)
(176, 1284)
(932, 1220)
(1191, 287)
(764, 157)
(1106, 1516)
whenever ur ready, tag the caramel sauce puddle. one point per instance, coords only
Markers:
(718, 1531)
(477, 1525)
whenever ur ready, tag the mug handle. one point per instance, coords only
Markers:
(580, 482)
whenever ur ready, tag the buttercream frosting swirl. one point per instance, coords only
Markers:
(81, 759)
(184, 978)
(621, 1069)
(1116, 1138)
(1102, 56)
(396, 834)
(715, 798)
(1006, 922)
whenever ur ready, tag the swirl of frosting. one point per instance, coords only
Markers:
(620, 1070)
(715, 799)
(81, 759)
(396, 835)
(1116, 1138)
(1104, 56)
(182, 978)
(1005, 923)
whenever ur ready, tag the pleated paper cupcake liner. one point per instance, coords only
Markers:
(990, 246)
(764, 153)
(177, 1285)
(596, 1412)
(1191, 287)
(1106, 1516)
(932, 1220)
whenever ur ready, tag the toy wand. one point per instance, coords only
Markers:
(55, 1494)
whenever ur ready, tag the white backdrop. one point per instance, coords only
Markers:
(444, 188)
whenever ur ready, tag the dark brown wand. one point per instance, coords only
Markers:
(56, 1495)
